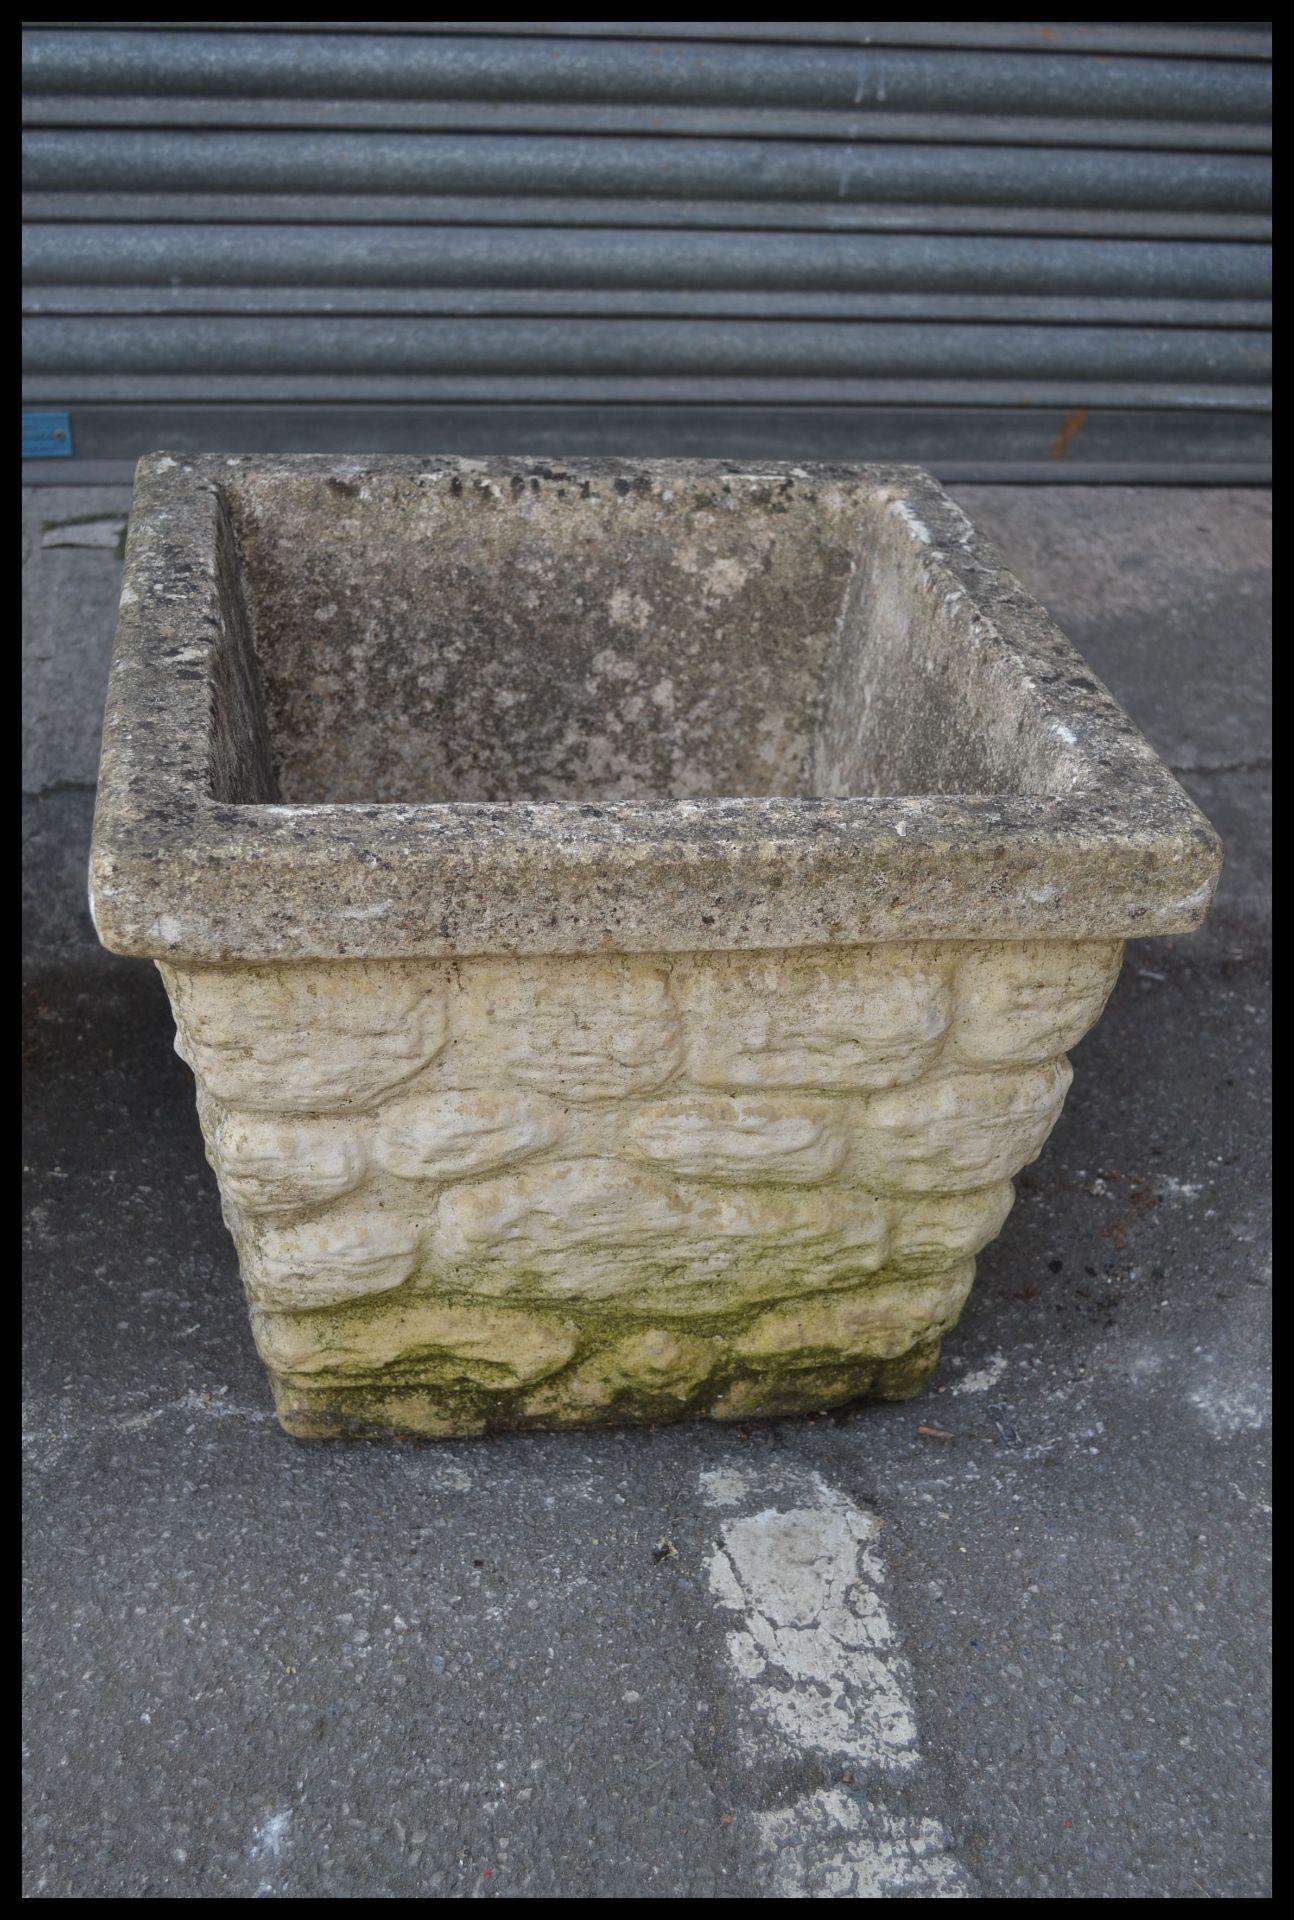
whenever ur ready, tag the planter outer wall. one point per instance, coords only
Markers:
(563, 1189)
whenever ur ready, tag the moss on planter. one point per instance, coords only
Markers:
(435, 1411)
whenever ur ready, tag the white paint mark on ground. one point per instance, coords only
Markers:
(1231, 1407)
(271, 1837)
(806, 1583)
(983, 1377)
(726, 1487)
(48, 1433)
(813, 1644)
(884, 1855)
(269, 1845)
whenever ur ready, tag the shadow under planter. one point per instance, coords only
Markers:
(626, 920)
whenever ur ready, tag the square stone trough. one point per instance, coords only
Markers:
(626, 920)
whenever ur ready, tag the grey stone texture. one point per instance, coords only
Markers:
(344, 697)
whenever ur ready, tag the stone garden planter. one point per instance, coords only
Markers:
(626, 921)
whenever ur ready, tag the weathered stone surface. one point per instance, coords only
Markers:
(467, 1249)
(418, 1339)
(403, 708)
(740, 1137)
(959, 1131)
(352, 1253)
(878, 1323)
(314, 1039)
(605, 1230)
(271, 1161)
(1031, 1001)
(430, 1135)
(626, 923)
(933, 1231)
(539, 1025)
(800, 1021)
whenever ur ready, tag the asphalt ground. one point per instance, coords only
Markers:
(1010, 1639)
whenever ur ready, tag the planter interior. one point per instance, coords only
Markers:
(488, 641)
(626, 921)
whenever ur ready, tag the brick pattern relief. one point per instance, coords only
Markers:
(548, 1191)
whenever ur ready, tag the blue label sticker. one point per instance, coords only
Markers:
(46, 436)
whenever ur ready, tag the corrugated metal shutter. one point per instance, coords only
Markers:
(1003, 249)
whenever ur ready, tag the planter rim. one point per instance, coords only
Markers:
(179, 875)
